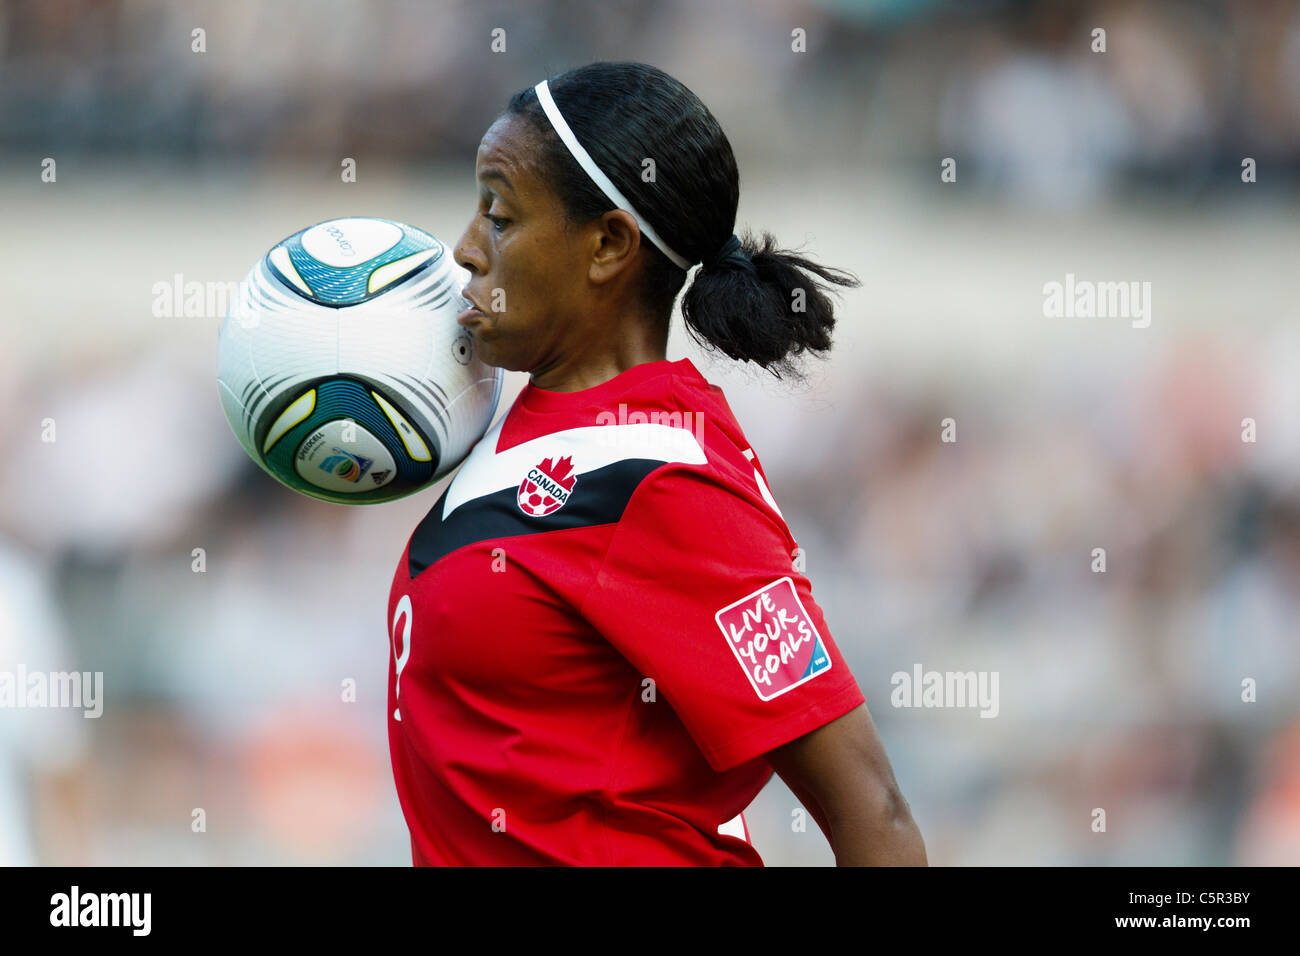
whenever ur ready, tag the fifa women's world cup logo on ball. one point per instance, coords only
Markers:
(547, 487)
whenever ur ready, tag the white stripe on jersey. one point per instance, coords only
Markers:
(734, 827)
(762, 485)
(592, 447)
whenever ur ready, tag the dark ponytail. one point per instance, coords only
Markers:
(769, 312)
(769, 316)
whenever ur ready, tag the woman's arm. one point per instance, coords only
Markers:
(843, 778)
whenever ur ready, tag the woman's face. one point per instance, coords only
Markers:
(528, 274)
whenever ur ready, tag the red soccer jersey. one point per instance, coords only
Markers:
(598, 632)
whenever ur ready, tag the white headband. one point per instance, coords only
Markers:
(597, 177)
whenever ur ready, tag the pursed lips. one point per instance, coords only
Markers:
(472, 312)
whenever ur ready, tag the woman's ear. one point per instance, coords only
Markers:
(618, 241)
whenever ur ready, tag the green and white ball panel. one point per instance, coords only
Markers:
(342, 439)
(344, 243)
(343, 262)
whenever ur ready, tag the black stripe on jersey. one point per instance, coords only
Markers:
(599, 497)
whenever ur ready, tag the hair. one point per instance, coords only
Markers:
(624, 113)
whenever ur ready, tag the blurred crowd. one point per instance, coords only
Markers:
(1172, 97)
(1122, 689)
(240, 627)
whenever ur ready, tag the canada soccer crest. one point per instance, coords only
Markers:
(547, 486)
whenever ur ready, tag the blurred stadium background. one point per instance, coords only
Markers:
(1119, 690)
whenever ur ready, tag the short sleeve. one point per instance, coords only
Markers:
(699, 592)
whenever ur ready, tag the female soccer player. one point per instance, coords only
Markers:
(601, 646)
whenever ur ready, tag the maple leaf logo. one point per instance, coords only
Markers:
(561, 472)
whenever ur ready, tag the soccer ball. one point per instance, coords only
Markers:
(341, 367)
